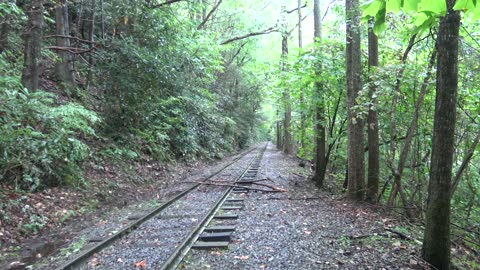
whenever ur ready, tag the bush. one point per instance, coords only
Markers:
(40, 143)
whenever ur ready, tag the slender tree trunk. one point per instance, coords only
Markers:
(464, 165)
(279, 132)
(102, 20)
(356, 167)
(396, 187)
(436, 242)
(287, 143)
(64, 69)
(372, 121)
(91, 35)
(33, 43)
(319, 123)
(398, 171)
(302, 93)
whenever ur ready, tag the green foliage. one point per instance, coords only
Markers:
(40, 143)
(425, 12)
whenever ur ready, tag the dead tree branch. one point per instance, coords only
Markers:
(264, 32)
(201, 25)
(165, 3)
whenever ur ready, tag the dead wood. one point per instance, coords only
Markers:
(273, 189)
(400, 234)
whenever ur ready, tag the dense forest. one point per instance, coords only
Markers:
(380, 98)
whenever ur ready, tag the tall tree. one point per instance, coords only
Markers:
(372, 121)
(64, 69)
(287, 140)
(302, 93)
(356, 174)
(436, 242)
(33, 41)
(320, 160)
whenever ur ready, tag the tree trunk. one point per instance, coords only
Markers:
(64, 69)
(4, 29)
(91, 32)
(279, 132)
(436, 242)
(372, 121)
(356, 169)
(33, 43)
(302, 93)
(319, 123)
(287, 143)
(398, 171)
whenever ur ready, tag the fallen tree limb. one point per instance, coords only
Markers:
(400, 234)
(252, 181)
(297, 199)
(230, 185)
(272, 187)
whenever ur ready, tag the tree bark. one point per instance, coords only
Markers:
(372, 121)
(302, 93)
(64, 69)
(91, 38)
(33, 43)
(319, 123)
(287, 140)
(356, 167)
(436, 242)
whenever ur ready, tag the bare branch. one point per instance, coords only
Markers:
(264, 32)
(165, 3)
(295, 9)
(201, 25)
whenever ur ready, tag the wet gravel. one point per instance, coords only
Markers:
(302, 229)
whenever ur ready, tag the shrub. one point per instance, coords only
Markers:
(40, 143)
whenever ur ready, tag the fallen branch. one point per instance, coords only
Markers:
(272, 187)
(274, 190)
(252, 181)
(400, 234)
(297, 199)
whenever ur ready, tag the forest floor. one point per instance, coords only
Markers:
(303, 228)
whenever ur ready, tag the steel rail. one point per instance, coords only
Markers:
(176, 258)
(82, 257)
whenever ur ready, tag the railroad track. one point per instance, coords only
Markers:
(162, 237)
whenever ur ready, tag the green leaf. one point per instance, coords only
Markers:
(437, 7)
(380, 24)
(464, 5)
(370, 9)
(411, 5)
(393, 6)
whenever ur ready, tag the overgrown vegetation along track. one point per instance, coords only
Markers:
(168, 213)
